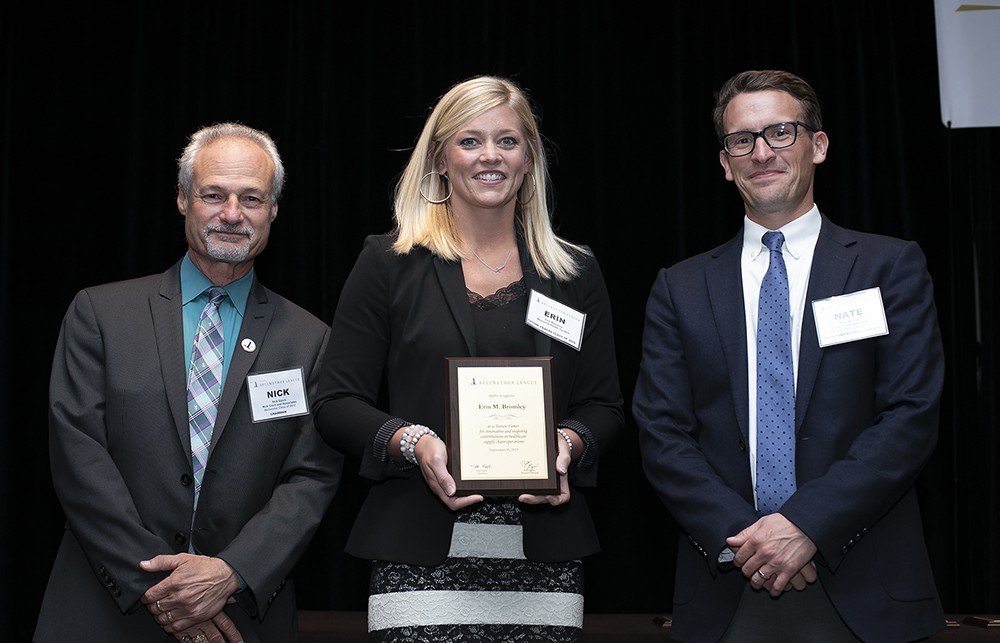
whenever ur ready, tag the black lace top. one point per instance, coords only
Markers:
(499, 322)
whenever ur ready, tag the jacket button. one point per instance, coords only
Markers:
(186, 479)
(180, 539)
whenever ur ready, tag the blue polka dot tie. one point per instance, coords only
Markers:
(775, 385)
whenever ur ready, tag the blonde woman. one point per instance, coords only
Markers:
(472, 239)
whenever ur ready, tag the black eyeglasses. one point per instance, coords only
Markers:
(777, 136)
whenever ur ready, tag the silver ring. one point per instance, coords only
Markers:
(200, 638)
(158, 608)
(762, 575)
(170, 617)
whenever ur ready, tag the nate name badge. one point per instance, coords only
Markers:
(848, 318)
(278, 394)
(558, 321)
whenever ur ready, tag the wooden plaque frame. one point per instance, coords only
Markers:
(500, 428)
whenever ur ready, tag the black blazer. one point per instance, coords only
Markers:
(397, 319)
(866, 418)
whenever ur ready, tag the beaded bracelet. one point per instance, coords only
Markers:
(565, 436)
(411, 435)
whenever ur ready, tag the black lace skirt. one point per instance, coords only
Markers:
(484, 591)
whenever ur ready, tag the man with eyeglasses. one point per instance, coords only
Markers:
(788, 399)
(181, 443)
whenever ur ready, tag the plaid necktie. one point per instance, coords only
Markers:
(775, 385)
(205, 383)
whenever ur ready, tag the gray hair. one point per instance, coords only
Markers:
(206, 135)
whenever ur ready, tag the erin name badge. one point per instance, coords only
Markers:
(850, 317)
(278, 394)
(558, 321)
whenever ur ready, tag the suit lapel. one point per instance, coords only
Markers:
(452, 282)
(832, 262)
(725, 291)
(256, 319)
(168, 327)
(543, 343)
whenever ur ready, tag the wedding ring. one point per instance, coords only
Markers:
(762, 575)
(158, 608)
(170, 617)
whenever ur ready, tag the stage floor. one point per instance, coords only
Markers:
(351, 627)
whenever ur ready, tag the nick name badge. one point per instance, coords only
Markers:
(558, 321)
(850, 317)
(278, 394)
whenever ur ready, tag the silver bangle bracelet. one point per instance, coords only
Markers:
(411, 435)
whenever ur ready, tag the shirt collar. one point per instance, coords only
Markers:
(798, 234)
(194, 282)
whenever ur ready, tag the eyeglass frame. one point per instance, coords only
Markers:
(795, 137)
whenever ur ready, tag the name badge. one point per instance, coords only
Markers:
(850, 317)
(278, 394)
(558, 321)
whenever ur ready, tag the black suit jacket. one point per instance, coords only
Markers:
(866, 417)
(121, 462)
(397, 319)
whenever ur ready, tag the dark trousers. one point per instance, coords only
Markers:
(794, 617)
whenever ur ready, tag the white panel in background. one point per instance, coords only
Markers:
(968, 43)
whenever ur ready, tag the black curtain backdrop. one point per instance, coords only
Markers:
(97, 103)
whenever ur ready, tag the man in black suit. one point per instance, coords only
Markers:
(839, 555)
(152, 550)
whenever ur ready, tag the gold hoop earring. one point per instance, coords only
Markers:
(533, 189)
(420, 188)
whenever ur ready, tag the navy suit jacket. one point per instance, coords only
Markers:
(121, 463)
(866, 420)
(398, 317)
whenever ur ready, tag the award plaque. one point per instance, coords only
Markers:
(501, 432)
